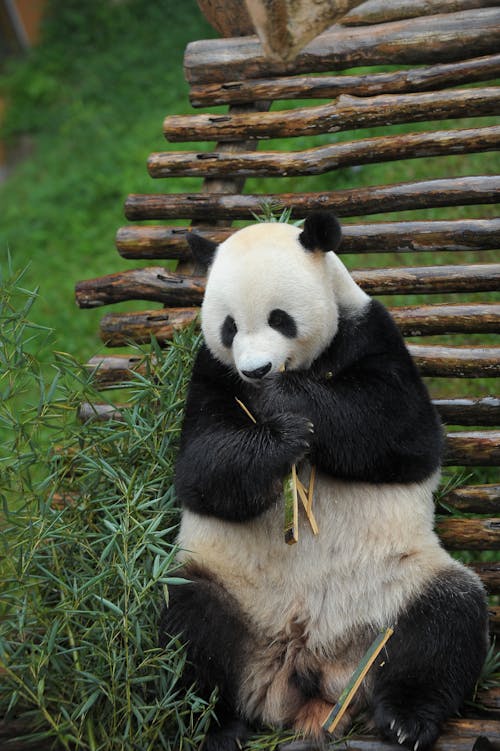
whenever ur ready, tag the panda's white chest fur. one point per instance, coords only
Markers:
(375, 550)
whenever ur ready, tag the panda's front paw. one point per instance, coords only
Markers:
(293, 434)
(412, 728)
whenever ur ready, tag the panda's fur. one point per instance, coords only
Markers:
(279, 629)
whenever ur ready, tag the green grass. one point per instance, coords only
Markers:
(92, 99)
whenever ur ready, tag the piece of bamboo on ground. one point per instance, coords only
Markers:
(350, 690)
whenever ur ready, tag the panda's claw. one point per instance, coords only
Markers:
(411, 730)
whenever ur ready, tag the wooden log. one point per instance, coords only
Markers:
(120, 329)
(412, 321)
(490, 575)
(447, 318)
(101, 412)
(417, 236)
(321, 159)
(425, 40)
(456, 362)
(346, 113)
(381, 11)
(464, 362)
(468, 449)
(462, 411)
(179, 290)
(376, 199)
(469, 534)
(112, 370)
(159, 241)
(154, 283)
(489, 698)
(457, 735)
(494, 618)
(432, 77)
(429, 279)
(474, 499)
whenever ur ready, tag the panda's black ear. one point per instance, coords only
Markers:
(203, 250)
(321, 232)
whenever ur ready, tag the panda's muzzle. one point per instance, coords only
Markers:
(258, 373)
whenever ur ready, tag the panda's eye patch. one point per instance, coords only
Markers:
(281, 321)
(228, 331)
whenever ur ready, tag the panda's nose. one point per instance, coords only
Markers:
(258, 372)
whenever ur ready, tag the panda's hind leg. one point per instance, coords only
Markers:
(432, 661)
(208, 621)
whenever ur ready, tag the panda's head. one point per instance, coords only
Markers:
(273, 294)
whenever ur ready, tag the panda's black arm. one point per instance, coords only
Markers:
(372, 416)
(228, 466)
(372, 423)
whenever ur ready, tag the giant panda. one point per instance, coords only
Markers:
(278, 629)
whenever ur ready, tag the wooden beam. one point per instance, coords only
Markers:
(469, 449)
(158, 284)
(469, 534)
(376, 199)
(120, 329)
(426, 40)
(489, 573)
(456, 362)
(447, 318)
(433, 77)
(429, 279)
(471, 412)
(162, 241)
(457, 735)
(109, 370)
(345, 113)
(474, 499)
(381, 11)
(321, 159)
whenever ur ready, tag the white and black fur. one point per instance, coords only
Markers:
(279, 629)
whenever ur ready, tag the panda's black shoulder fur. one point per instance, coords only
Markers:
(371, 414)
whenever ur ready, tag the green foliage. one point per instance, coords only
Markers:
(490, 674)
(272, 212)
(83, 579)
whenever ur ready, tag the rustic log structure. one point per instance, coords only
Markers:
(440, 62)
